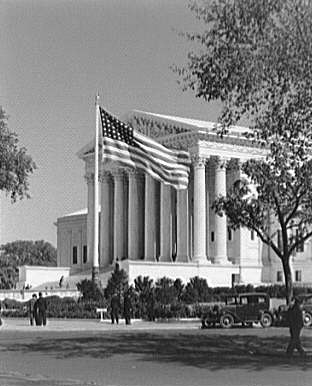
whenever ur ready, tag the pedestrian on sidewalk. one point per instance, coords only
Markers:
(41, 309)
(295, 320)
(127, 306)
(32, 311)
(115, 308)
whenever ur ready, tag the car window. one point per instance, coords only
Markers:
(231, 301)
(261, 300)
(243, 300)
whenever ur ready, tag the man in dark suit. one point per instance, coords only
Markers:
(127, 306)
(31, 310)
(295, 320)
(115, 308)
(41, 309)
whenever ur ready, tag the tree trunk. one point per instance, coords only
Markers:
(288, 280)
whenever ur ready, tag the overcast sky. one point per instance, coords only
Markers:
(55, 56)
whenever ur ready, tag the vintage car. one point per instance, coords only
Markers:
(306, 303)
(244, 309)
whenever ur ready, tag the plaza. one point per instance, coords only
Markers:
(85, 353)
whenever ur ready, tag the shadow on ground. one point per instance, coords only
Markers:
(214, 352)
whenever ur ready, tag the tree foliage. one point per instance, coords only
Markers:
(118, 282)
(196, 290)
(256, 58)
(15, 164)
(18, 253)
(90, 290)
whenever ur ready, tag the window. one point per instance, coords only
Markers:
(229, 233)
(212, 237)
(298, 275)
(252, 235)
(84, 254)
(300, 246)
(279, 276)
(75, 255)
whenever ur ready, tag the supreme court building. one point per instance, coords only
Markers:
(153, 230)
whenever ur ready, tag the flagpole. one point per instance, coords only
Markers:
(95, 265)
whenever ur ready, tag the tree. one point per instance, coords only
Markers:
(196, 290)
(165, 291)
(144, 289)
(15, 164)
(255, 57)
(18, 253)
(90, 290)
(118, 282)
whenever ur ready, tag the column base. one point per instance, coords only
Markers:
(200, 259)
(165, 259)
(150, 258)
(222, 260)
(96, 275)
(182, 259)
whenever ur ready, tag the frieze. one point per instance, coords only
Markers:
(212, 145)
(155, 129)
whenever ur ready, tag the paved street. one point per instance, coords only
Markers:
(66, 353)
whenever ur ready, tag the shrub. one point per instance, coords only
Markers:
(90, 290)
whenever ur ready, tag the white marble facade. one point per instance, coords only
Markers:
(154, 230)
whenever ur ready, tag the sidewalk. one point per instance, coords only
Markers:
(22, 324)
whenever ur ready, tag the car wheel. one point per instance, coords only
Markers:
(307, 319)
(266, 320)
(226, 321)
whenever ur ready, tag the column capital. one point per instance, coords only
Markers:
(89, 178)
(105, 176)
(134, 173)
(221, 162)
(198, 161)
(118, 174)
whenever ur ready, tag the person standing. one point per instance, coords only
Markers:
(41, 309)
(115, 308)
(295, 320)
(31, 310)
(127, 307)
(151, 306)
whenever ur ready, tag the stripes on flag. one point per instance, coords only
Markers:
(123, 144)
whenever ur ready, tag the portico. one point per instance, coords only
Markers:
(145, 220)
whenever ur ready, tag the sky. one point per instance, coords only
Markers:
(55, 56)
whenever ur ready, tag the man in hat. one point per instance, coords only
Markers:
(115, 308)
(41, 309)
(31, 310)
(295, 320)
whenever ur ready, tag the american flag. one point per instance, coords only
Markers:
(123, 144)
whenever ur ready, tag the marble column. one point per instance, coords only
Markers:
(220, 222)
(244, 242)
(135, 215)
(119, 236)
(150, 219)
(182, 226)
(90, 217)
(165, 223)
(106, 225)
(199, 209)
